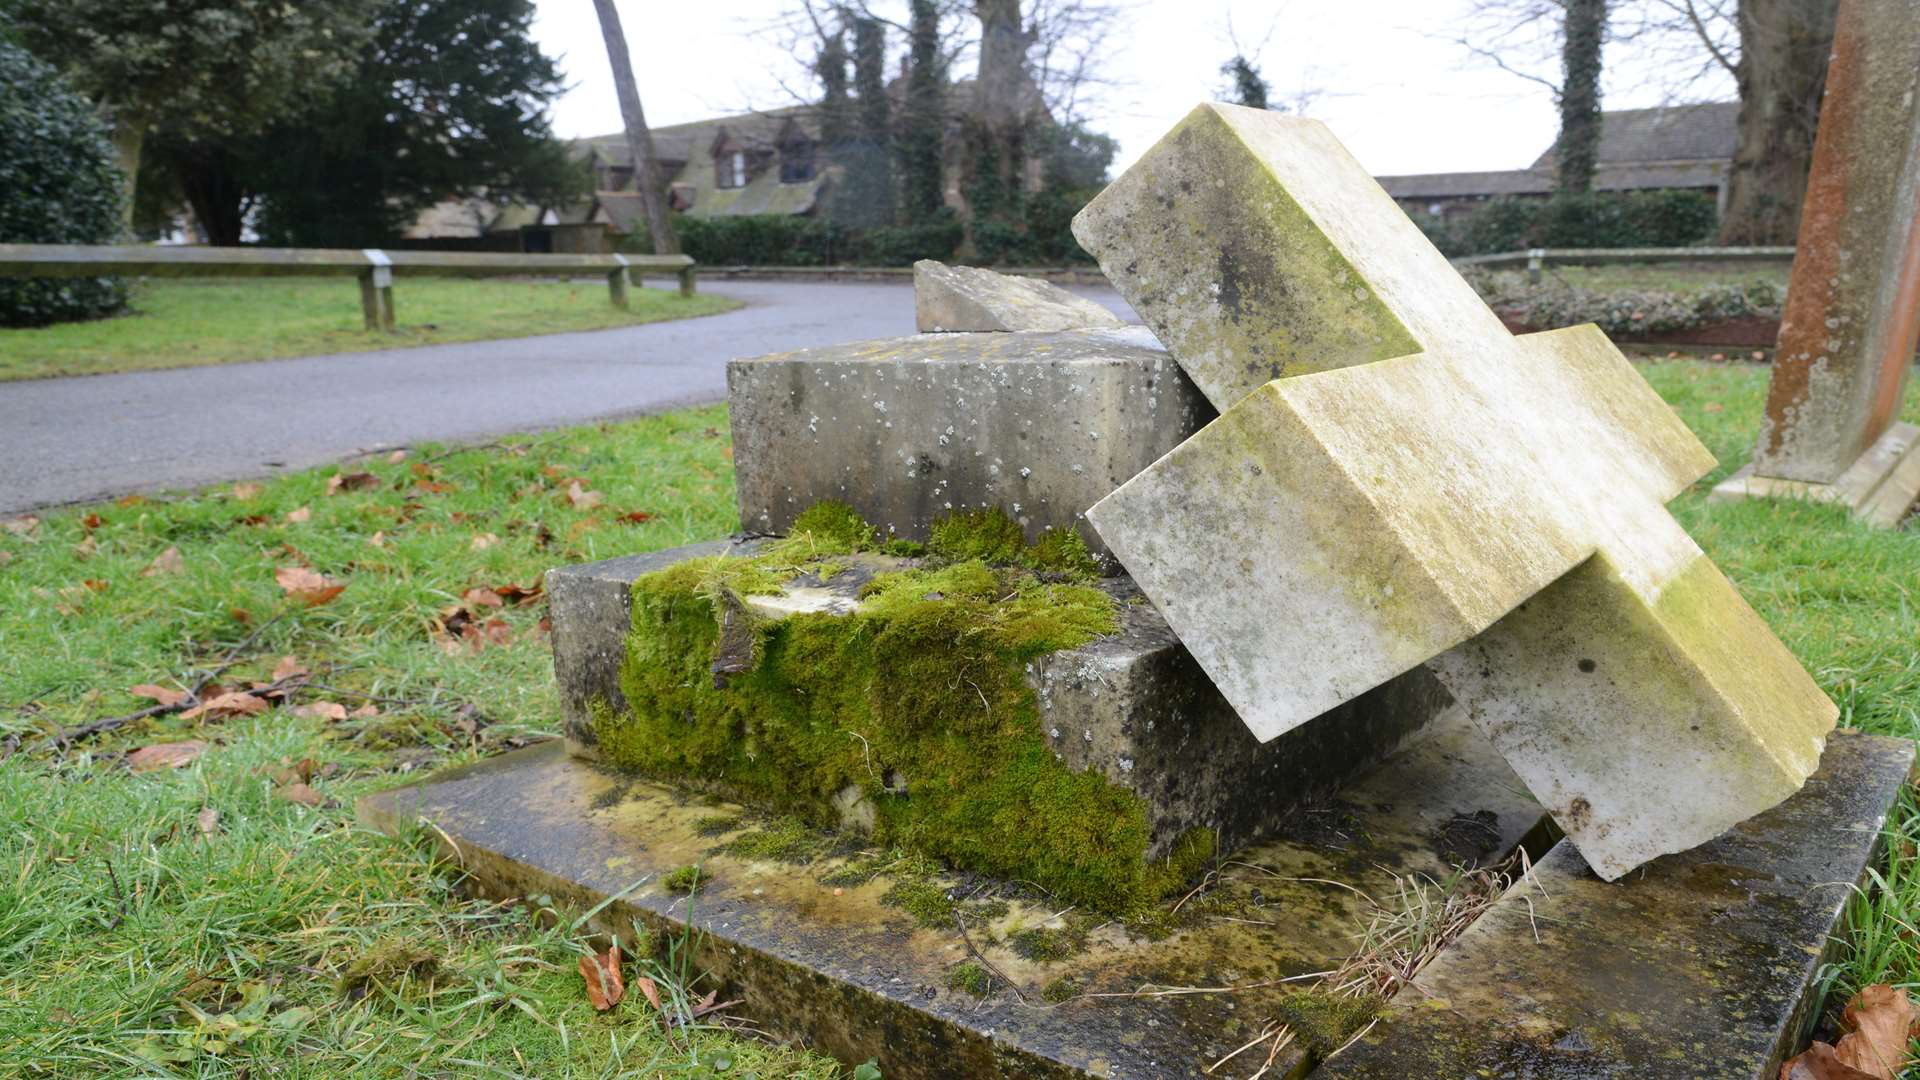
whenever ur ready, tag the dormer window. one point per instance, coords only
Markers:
(730, 170)
(796, 162)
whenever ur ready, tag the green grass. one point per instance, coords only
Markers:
(290, 942)
(1672, 276)
(190, 322)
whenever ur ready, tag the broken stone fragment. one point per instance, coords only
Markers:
(1132, 707)
(1437, 488)
(962, 298)
(909, 430)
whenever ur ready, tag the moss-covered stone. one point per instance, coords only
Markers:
(926, 901)
(1325, 1021)
(784, 840)
(1064, 988)
(717, 824)
(916, 701)
(685, 879)
(969, 978)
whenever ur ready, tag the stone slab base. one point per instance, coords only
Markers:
(855, 978)
(1134, 706)
(1699, 964)
(1879, 488)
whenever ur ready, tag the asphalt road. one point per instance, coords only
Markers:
(94, 437)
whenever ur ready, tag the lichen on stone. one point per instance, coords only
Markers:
(917, 699)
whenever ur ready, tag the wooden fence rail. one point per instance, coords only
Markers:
(374, 268)
(1536, 259)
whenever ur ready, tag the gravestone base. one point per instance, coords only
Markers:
(1133, 706)
(1709, 954)
(1879, 488)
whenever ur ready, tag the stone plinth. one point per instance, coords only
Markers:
(1704, 964)
(1879, 488)
(832, 965)
(1133, 707)
(947, 299)
(1428, 479)
(909, 430)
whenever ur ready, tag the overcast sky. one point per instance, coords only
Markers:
(1394, 85)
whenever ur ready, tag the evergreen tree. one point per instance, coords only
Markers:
(1577, 150)
(923, 120)
(1246, 86)
(865, 197)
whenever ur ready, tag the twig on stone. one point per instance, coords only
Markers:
(984, 962)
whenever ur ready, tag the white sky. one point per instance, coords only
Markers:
(1402, 95)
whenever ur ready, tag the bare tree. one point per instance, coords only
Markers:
(646, 176)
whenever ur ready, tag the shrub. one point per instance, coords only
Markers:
(59, 184)
(1552, 304)
(904, 245)
(1497, 225)
(1599, 219)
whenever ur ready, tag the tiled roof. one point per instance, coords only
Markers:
(1625, 177)
(1670, 133)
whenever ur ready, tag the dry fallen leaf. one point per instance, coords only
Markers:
(1714, 406)
(159, 693)
(364, 711)
(88, 548)
(652, 991)
(21, 526)
(299, 792)
(1878, 1023)
(601, 971)
(92, 521)
(483, 542)
(130, 500)
(378, 539)
(516, 595)
(481, 596)
(581, 498)
(165, 755)
(397, 457)
(637, 517)
(287, 668)
(208, 819)
(299, 516)
(350, 481)
(232, 703)
(243, 492)
(308, 586)
(167, 562)
(326, 710)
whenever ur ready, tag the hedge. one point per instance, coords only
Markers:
(59, 184)
(1600, 219)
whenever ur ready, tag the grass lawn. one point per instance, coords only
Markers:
(1672, 276)
(200, 920)
(176, 322)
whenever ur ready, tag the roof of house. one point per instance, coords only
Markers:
(678, 144)
(1679, 146)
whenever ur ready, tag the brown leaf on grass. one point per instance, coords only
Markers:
(481, 596)
(171, 755)
(432, 487)
(87, 549)
(350, 481)
(159, 693)
(601, 971)
(208, 821)
(364, 711)
(325, 710)
(308, 586)
(299, 792)
(1714, 406)
(1878, 1022)
(300, 516)
(243, 492)
(21, 526)
(515, 595)
(5, 557)
(287, 668)
(582, 499)
(636, 517)
(552, 472)
(130, 500)
(232, 703)
(167, 562)
(397, 457)
(652, 991)
(483, 542)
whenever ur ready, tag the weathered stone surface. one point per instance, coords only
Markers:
(1879, 488)
(967, 298)
(1395, 506)
(1853, 307)
(1133, 706)
(834, 967)
(1703, 965)
(909, 430)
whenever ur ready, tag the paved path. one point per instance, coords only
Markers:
(79, 439)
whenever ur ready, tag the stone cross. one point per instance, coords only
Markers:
(1397, 480)
(1831, 429)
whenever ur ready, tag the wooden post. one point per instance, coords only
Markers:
(376, 291)
(686, 280)
(617, 283)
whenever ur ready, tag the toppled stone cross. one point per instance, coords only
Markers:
(1397, 480)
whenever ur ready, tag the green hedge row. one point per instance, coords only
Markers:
(783, 240)
(59, 184)
(1601, 219)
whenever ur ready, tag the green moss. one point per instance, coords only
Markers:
(784, 840)
(993, 537)
(686, 879)
(716, 824)
(1326, 1021)
(970, 978)
(831, 526)
(1061, 989)
(388, 965)
(918, 699)
(1048, 944)
(926, 901)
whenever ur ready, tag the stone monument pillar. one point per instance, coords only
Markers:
(1831, 430)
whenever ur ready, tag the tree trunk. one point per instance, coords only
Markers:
(923, 119)
(1781, 73)
(129, 135)
(646, 176)
(218, 199)
(1578, 149)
